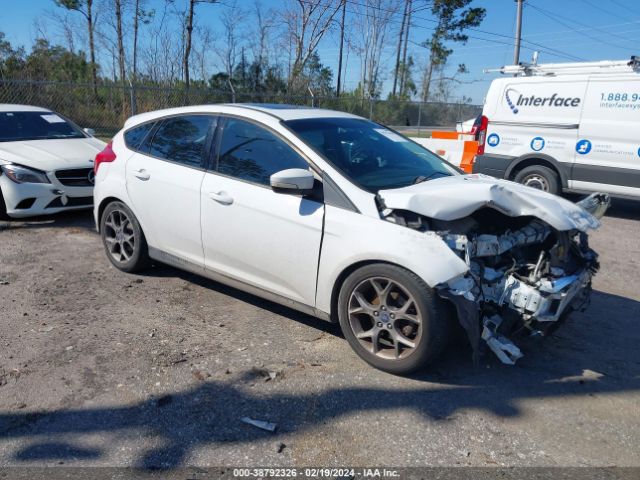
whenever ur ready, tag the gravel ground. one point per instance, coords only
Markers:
(98, 367)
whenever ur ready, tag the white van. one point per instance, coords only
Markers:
(565, 126)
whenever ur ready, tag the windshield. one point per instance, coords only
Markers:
(370, 155)
(16, 126)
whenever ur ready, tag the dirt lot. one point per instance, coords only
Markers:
(98, 367)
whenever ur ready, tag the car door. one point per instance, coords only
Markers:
(164, 181)
(250, 233)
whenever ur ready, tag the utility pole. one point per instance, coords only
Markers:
(400, 38)
(403, 75)
(516, 51)
(344, 7)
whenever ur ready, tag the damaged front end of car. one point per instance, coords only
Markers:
(524, 275)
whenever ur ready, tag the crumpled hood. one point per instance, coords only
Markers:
(49, 155)
(451, 198)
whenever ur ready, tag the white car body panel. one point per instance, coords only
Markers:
(441, 198)
(288, 230)
(166, 199)
(50, 155)
(351, 238)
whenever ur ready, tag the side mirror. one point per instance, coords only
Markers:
(292, 180)
(90, 131)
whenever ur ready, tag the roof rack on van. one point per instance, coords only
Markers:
(606, 66)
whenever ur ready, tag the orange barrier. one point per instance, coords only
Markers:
(468, 155)
(445, 135)
(457, 148)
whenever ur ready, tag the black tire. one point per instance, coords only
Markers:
(540, 177)
(133, 257)
(3, 209)
(435, 319)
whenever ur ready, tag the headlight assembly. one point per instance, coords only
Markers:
(20, 174)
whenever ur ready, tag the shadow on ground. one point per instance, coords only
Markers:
(594, 354)
(75, 219)
(624, 208)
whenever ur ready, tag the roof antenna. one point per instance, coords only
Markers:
(534, 58)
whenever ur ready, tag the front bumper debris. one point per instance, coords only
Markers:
(507, 292)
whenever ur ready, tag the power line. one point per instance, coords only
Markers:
(554, 16)
(547, 49)
(509, 44)
(543, 48)
(635, 12)
(587, 2)
(586, 27)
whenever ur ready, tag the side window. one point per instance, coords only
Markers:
(135, 136)
(252, 153)
(182, 139)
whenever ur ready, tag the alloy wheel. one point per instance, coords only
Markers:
(385, 318)
(119, 236)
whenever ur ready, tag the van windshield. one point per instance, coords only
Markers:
(370, 155)
(17, 126)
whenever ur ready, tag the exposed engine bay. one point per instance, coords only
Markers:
(524, 276)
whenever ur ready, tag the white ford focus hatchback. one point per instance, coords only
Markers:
(344, 219)
(46, 162)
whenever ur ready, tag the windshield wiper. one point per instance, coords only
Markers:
(422, 178)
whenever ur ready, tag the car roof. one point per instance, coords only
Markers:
(293, 112)
(279, 111)
(12, 107)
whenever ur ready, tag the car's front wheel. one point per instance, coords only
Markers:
(392, 319)
(123, 239)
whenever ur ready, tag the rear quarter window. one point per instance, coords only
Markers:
(134, 137)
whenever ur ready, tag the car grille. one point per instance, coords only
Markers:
(75, 177)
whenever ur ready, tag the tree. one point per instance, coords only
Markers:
(453, 19)
(306, 22)
(139, 16)
(408, 86)
(264, 24)
(120, 40)
(373, 24)
(11, 61)
(85, 7)
(53, 62)
(189, 37)
(318, 77)
(228, 51)
(396, 73)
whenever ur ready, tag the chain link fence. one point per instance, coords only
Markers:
(106, 107)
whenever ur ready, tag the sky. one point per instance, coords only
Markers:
(562, 30)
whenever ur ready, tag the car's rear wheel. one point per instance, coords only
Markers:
(391, 318)
(537, 176)
(123, 239)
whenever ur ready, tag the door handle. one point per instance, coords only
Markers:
(221, 197)
(141, 174)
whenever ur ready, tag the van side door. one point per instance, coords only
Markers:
(607, 152)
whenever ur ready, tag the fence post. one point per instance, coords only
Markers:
(313, 97)
(419, 116)
(132, 96)
(371, 100)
